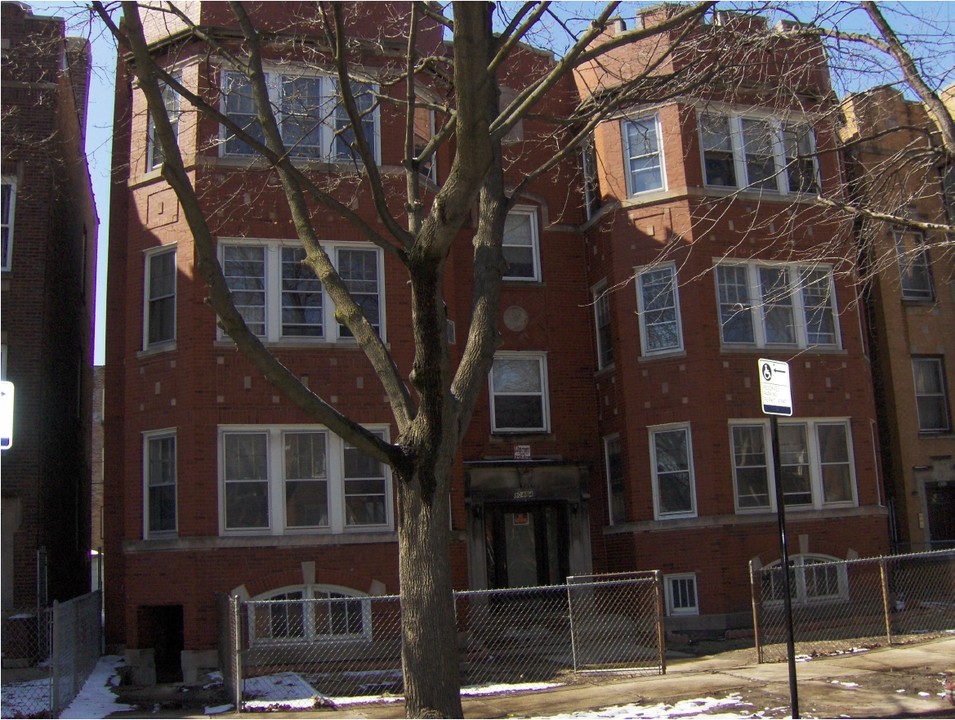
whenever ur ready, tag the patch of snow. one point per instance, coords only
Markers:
(23, 699)
(478, 690)
(287, 691)
(218, 709)
(925, 694)
(683, 709)
(96, 700)
(901, 692)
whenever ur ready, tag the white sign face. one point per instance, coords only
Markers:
(775, 392)
(6, 415)
(522, 452)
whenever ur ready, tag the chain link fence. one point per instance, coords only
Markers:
(48, 654)
(842, 605)
(315, 644)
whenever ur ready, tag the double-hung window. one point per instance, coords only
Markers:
(930, 395)
(762, 305)
(603, 326)
(521, 246)
(815, 458)
(154, 152)
(671, 461)
(160, 298)
(310, 113)
(758, 152)
(280, 298)
(299, 478)
(914, 266)
(8, 196)
(659, 310)
(588, 160)
(519, 401)
(159, 462)
(644, 155)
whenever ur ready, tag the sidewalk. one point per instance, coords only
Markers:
(899, 681)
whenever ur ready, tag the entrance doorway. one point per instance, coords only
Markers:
(526, 544)
(940, 499)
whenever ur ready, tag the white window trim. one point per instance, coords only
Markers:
(600, 294)
(273, 75)
(755, 309)
(814, 461)
(335, 477)
(149, 256)
(798, 564)
(12, 182)
(652, 431)
(273, 291)
(147, 438)
(777, 126)
(625, 141)
(641, 310)
(939, 362)
(671, 609)
(541, 358)
(915, 255)
(309, 596)
(531, 212)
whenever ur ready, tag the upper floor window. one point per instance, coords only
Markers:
(159, 450)
(914, 266)
(671, 462)
(816, 460)
(519, 400)
(644, 155)
(160, 297)
(521, 246)
(8, 199)
(280, 298)
(613, 457)
(930, 395)
(154, 152)
(603, 325)
(592, 197)
(758, 152)
(659, 310)
(309, 613)
(280, 479)
(310, 113)
(776, 304)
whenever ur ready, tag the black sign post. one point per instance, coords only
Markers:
(776, 398)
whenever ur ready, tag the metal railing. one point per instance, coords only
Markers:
(49, 654)
(351, 646)
(843, 605)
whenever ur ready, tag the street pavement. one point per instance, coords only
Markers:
(898, 681)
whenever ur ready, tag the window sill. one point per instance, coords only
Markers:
(669, 355)
(289, 344)
(183, 544)
(157, 349)
(748, 518)
(502, 436)
(783, 349)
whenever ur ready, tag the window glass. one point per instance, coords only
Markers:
(681, 595)
(246, 477)
(794, 458)
(240, 108)
(736, 320)
(592, 196)
(161, 483)
(359, 271)
(364, 488)
(161, 297)
(302, 115)
(759, 154)
(818, 306)
(799, 146)
(306, 479)
(7, 202)
(517, 387)
(834, 463)
(672, 472)
(520, 246)
(750, 467)
(777, 305)
(718, 164)
(302, 310)
(604, 332)
(364, 95)
(659, 311)
(914, 267)
(643, 155)
(156, 155)
(244, 270)
(930, 395)
(615, 480)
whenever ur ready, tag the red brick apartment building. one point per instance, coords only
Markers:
(912, 309)
(48, 231)
(629, 435)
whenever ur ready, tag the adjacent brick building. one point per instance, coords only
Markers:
(622, 427)
(49, 248)
(911, 303)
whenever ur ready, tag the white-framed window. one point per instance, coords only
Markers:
(154, 152)
(8, 202)
(296, 478)
(680, 593)
(812, 578)
(671, 463)
(643, 149)
(758, 152)
(309, 614)
(816, 458)
(658, 306)
(311, 117)
(613, 459)
(160, 483)
(767, 304)
(588, 160)
(519, 396)
(423, 133)
(603, 325)
(914, 267)
(160, 315)
(521, 245)
(281, 299)
(930, 395)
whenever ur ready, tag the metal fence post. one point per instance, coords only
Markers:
(661, 611)
(237, 652)
(55, 651)
(570, 619)
(883, 576)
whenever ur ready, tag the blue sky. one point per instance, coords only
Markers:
(920, 19)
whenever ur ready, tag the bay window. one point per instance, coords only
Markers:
(643, 148)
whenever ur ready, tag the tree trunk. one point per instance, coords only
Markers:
(429, 652)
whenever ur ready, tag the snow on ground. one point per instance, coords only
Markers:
(95, 700)
(684, 709)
